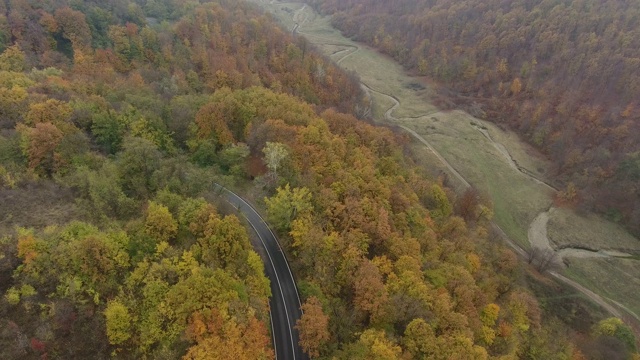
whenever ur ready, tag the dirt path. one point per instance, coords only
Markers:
(388, 115)
(538, 231)
(605, 303)
(539, 239)
(348, 55)
(296, 19)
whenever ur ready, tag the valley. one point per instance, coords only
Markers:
(590, 251)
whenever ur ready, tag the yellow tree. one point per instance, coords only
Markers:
(516, 86)
(12, 59)
(159, 223)
(287, 205)
(488, 317)
(118, 322)
(378, 346)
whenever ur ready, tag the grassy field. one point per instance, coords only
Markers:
(380, 105)
(482, 161)
(615, 278)
(522, 153)
(567, 229)
(517, 199)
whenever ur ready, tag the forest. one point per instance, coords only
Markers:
(563, 74)
(116, 118)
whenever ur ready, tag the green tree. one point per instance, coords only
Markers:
(101, 194)
(225, 243)
(137, 163)
(616, 328)
(108, 131)
(419, 339)
(232, 158)
(287, 205)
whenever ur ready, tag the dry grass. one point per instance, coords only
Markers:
(567, 229)
(384, 75)
(522, 153)
(615, 278)
(517, 199)
(380, 105)
(36, 205)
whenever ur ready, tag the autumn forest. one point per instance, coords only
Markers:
(563, 74)
(118, 116)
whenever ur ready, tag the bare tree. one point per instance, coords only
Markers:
(541, 259)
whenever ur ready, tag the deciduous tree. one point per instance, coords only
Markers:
(288, 204)
(159, 223)
(118, 322)
(313, 327)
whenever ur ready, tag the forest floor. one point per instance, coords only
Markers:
(472, 151)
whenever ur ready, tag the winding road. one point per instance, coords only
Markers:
(285, 300)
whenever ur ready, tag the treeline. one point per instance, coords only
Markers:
(135, 108)
(564, 74)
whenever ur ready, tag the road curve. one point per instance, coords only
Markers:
(285, 301)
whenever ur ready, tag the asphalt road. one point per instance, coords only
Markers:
(285, 301)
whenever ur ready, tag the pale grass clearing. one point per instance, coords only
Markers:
(614, 278)
(568, 229)
(517, 199)
(384, 75)
(36, 205)
(283, 12)
(379, 72)
(380, 105)
(525, 155)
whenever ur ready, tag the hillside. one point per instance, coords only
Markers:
(117, 118)
(563, 74)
